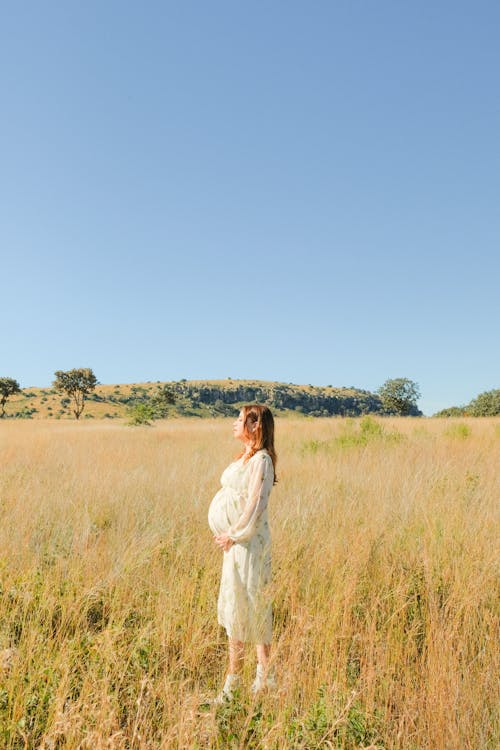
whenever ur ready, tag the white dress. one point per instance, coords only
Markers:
(239, 509)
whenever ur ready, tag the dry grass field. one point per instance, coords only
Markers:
(385, 587)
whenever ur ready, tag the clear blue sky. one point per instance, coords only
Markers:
(297, 191)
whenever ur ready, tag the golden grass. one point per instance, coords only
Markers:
(385, 587)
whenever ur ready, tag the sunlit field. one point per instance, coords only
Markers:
(385, 587)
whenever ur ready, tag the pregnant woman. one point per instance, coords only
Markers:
(238, 519)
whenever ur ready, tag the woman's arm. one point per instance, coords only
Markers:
(261, 482)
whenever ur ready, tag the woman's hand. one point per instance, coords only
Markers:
(224, 542)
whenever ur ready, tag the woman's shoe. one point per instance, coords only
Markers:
(226, 695)
(263, 682)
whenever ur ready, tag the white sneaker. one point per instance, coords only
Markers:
(262, 682)
(226, 695)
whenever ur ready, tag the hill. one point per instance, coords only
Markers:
(200, 398)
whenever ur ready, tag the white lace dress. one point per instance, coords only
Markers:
(239, 509)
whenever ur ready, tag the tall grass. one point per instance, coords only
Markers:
(385, 587)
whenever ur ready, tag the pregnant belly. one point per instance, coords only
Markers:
(223, 512)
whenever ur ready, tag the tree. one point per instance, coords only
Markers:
(77, 384)
(162, 399)
(487, 404)
(399, 396)
(8, 387)
(140, 414)
(148, 409)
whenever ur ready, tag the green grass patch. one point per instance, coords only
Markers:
(355, 434)
(460, 430)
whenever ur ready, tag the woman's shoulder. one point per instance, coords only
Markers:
(262, 453)
(261, 456)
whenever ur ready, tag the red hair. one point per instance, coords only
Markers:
(263, 435)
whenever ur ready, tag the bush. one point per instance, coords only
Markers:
(24, 413)
(140, 414)
(452, 411)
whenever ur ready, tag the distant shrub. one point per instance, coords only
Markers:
(452, 411)
(145, 407)
(25, 413)
(140, 414)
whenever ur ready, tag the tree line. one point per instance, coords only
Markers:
(396, 396)
(487, 404)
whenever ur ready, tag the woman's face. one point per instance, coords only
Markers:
(239, 427)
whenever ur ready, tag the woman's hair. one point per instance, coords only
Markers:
(263, 437)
